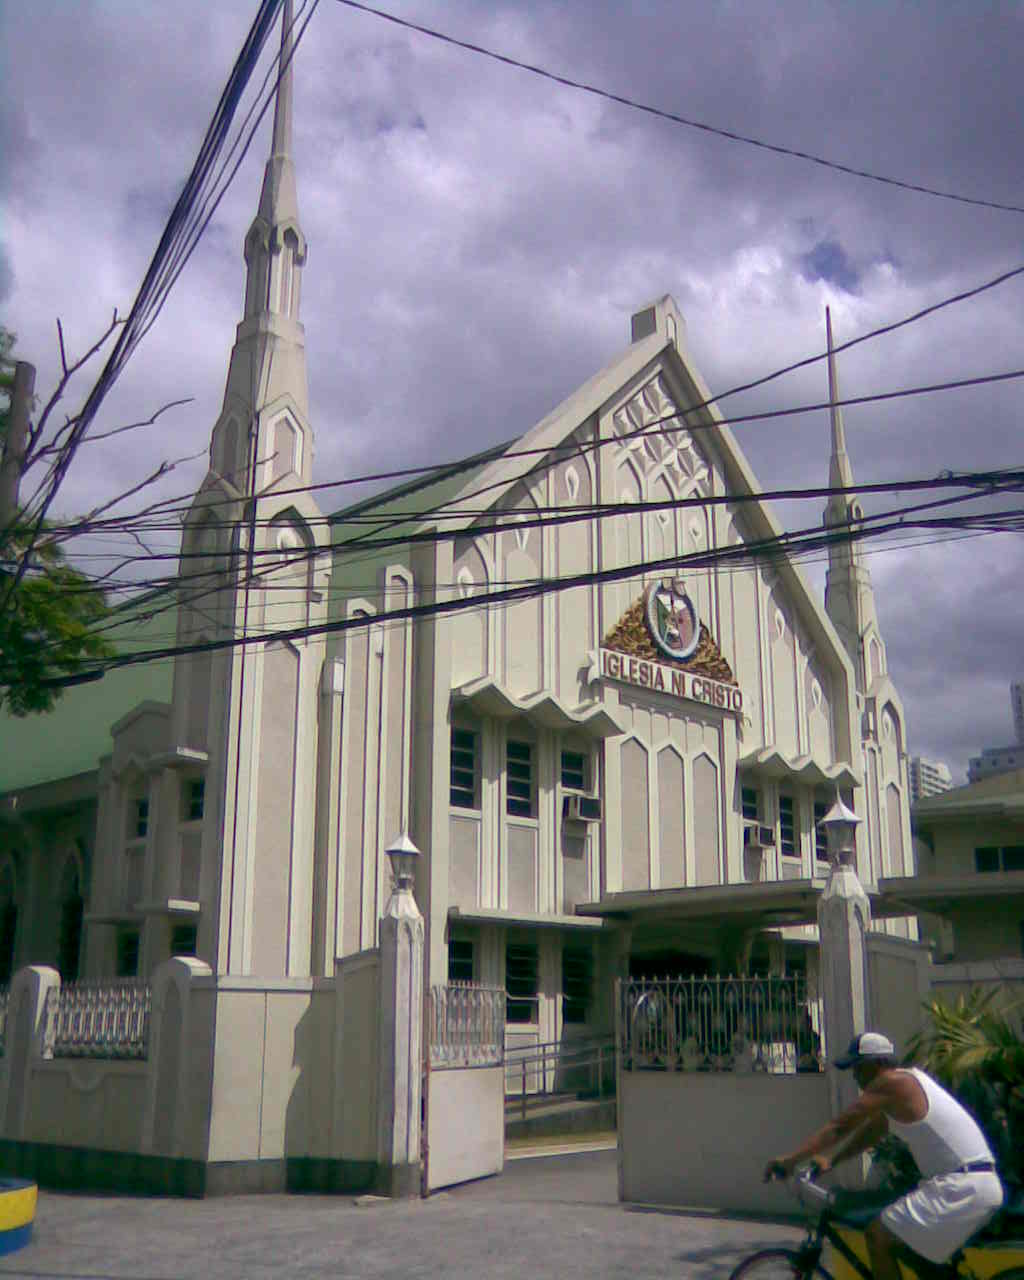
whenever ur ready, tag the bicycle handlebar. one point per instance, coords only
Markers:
(809, 1193)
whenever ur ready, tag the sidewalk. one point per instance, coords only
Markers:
(546, 1216)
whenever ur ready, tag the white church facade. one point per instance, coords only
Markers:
(622, 775)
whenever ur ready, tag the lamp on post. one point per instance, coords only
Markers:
(403, 856)
(840, 827)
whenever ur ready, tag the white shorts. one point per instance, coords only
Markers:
(940, 1215)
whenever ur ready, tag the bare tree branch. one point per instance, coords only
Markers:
(53, 447)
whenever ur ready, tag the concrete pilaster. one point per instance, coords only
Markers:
(844, 915)
(400, 1053)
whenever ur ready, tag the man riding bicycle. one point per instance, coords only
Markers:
(959, 1189)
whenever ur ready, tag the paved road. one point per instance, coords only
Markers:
(551, 1217)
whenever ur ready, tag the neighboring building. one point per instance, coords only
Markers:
(970, 881)
(622, 776)
(928, 778)
(995, 760)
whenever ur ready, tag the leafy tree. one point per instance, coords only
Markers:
(48, 619)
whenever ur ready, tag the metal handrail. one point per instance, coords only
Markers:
(556, 1055)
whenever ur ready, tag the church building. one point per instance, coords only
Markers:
(619, 775)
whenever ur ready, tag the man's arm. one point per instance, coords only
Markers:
(859, 1127)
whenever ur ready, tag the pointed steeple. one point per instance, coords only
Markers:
(839, 471)
(278, 200)
(275, 248)
(849, 598)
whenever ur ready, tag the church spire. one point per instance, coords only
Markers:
(278, 200)
(275, 248)
(839, 471)
(849, 598)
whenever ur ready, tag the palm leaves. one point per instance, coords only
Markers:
(973, 1036)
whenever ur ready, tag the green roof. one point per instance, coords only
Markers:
(73, 736)
(397, 512)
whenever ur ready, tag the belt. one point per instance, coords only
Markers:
(977, 1166)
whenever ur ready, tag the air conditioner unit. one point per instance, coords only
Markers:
(582, 808)
(756, 837)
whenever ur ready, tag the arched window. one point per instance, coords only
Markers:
(8, 921)
(69, 928)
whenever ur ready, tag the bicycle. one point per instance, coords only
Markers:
(830, 1211)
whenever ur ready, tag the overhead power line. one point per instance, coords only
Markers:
(773, 549)
(675, 118)
(180, 236)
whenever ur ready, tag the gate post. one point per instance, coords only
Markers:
(844, 914)
(400, 1040)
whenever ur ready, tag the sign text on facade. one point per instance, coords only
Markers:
(661, 679)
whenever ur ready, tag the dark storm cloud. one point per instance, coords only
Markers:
(479, 238)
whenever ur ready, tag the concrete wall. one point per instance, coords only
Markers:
(703, 1140)
(466, 1124)
(271, 1074)
(899, 974)
(87, 1104)
(354, 1110)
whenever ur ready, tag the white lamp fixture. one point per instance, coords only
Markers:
(403, 856)
(840, 827)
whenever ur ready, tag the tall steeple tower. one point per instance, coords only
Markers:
(884, 802)
(255, 565)
(849, 598)
(268, 363)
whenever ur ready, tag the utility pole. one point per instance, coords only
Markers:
(16, 440)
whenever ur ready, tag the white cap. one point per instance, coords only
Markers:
(865, 1047)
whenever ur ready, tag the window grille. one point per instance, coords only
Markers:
(464, 755)
(577, 982)
(460, 960)
(787, 827)
(750, 799)
(522, 973)
(519, 779)
(574, 771)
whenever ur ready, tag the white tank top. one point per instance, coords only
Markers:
(947, 1137)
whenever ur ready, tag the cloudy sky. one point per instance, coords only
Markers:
(480, 237)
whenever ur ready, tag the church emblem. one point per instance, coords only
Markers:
(672, 619)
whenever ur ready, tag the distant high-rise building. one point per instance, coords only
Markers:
(1003, 759)
(928, 778)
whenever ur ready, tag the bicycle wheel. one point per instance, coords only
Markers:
(777, 1264)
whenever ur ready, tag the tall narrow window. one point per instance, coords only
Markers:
(127, 961)
(820, 841)
(751, 801)
(183, 940)
(577, 983)
(519, 780)
(574, 771)
(69, 926)
(460, 960)
(465, 754)
(522, 982)
(193, 799)
(788, 827)
(141, 819)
